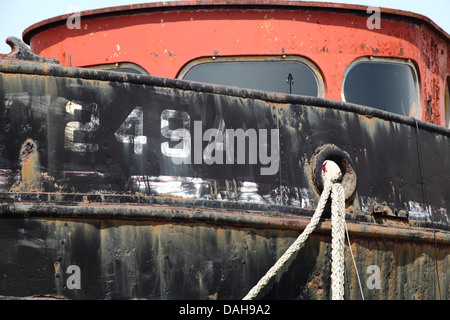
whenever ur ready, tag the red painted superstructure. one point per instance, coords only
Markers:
(163, 37)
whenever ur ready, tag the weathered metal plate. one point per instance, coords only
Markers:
(131, 259)
(89, 177)
(120, 135)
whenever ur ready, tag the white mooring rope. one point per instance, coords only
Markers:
(337, 241)
(337, 244)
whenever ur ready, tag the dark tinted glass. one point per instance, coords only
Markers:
(259, 75)
(382, 85)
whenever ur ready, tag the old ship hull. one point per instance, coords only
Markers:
(89, 191)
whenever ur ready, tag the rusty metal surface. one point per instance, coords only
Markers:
(177, 261)
(331, 36)
(20, 51)
(214, 213)
(140, 226)
(47, 163)
(201, 4)
(67, 168)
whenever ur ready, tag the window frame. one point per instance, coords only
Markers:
(388, 60)
(113, 67)
(321, 87)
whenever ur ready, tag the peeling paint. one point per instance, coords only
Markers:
(139, 226)
(30, 173)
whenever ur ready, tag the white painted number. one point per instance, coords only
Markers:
(73, 126)
(183, 149)
(136, 117)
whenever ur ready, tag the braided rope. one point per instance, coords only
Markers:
(338, 211)
(337, 242)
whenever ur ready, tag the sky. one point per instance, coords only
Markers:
(17, 15)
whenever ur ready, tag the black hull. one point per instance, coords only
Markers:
(85, 181)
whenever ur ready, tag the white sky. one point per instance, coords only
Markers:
(17, 15)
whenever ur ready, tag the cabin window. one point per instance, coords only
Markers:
(386, 84)
(293, 75)
(120, 67)
(447, 102)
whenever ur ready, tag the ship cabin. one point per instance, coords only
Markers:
(392, 60)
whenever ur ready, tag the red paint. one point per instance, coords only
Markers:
(163, 38)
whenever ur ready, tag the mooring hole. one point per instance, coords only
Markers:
(331, 162)
(331, 170)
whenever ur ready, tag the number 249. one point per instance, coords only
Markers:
(122, 134)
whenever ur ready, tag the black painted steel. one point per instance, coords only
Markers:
(89, 176)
